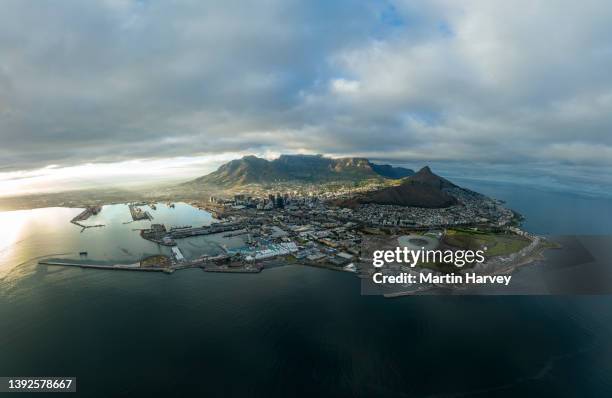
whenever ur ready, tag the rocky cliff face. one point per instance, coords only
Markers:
(298, 168)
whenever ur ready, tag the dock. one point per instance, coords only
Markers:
(160, 235)
(236, 268)
(227, 268)
(207, 230)
(84, 215)
(138, 214)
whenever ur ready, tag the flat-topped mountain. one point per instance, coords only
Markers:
(423, 189)
(297, 168)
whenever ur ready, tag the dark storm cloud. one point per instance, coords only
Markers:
(107, 81)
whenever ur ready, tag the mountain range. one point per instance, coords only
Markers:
(297, 168)
(420, 189)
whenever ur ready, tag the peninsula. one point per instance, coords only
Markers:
(279, 218)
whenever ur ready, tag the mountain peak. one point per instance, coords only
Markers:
(427, 177)
(251, 157)
(425, 170)
(423, 189)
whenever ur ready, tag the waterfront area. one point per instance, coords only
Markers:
(245, 234)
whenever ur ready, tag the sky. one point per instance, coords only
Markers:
(120, 90)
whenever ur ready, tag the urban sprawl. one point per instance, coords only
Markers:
(309, 229)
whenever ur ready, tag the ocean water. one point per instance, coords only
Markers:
(291, 330)
(551, 212)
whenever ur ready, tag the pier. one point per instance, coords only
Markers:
(84, 215)
(160, 235)
(138, 214)
(121, 267)
(217, 264)
(207, 230)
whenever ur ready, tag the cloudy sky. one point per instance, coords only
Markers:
(122, 88)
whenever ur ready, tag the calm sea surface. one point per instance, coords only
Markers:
(289, 331)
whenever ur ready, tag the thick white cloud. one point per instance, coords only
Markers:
(521, 82)
(518, 81)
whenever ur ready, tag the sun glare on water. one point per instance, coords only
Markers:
(11, 225)
(11, 228)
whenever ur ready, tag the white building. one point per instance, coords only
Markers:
(177, 254)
